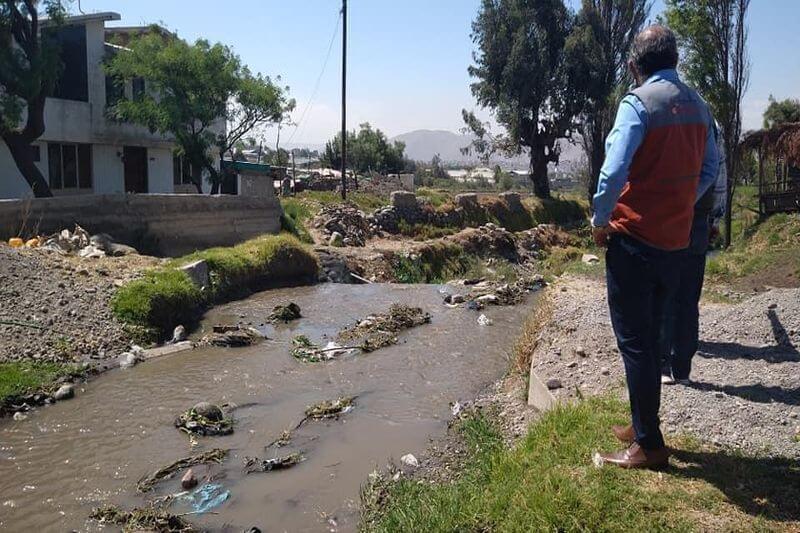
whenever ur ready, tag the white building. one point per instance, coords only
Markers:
(82, 151)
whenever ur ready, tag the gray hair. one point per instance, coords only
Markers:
(654, 49)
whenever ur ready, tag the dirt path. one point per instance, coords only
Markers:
(745, 390)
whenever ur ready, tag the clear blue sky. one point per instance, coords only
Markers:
(407, 61)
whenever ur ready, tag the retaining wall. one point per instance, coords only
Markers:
(162, 224)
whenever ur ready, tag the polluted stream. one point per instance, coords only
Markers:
(74, 456)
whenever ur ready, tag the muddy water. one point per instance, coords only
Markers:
(75, 455)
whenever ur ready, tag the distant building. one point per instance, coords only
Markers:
(82, 151)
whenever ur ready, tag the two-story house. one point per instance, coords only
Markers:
(83, 151)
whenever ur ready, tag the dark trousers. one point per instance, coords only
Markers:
(640, 280)
(681, 316)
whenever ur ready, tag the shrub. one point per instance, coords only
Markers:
(295, 214)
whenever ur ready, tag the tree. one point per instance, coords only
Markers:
(29, 69)
(368, 150)
(193, 90)
(597, 56)
(781, 112)
(521, 78)
(712, 35)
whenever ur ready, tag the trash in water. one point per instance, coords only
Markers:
(399, 317)
(283, 440)
(205, 497)
(305, 350)
(232, 336)
(254, 464)
(331, 408)
(147, 483)
(484, 320)
(284, 313)
(200, 421)
(150, 518)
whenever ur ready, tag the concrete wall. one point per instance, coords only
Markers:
(160, 224)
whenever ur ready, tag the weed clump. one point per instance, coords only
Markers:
(150, 518)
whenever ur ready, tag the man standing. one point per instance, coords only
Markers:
(681, 321)
(660, 157)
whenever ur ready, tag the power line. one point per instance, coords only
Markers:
(319, 79)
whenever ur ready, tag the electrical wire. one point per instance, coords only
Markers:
(319, 79)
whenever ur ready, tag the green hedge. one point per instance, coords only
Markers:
(166, 297)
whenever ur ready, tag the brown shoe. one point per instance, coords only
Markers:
(635, 457)
(624, 433)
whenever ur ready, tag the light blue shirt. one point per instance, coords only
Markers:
(625, 138)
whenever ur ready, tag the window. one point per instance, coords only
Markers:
(115, 91)
(70, 166)
(73, 83)
(137, 87)
(181, 171)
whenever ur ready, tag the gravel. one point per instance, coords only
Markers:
(745, 389)
(63, 302)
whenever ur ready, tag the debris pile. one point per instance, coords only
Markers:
(76, 242)
(284, 313)
(232, 336)
(305, 350)
(483, 293)
(147, 483)
(488, 240)
(377, 331)
(531, 243)
(150, 518)
(204, 419)
(254, 464)
(344, 225)
(330, 408)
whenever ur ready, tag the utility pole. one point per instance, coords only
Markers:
(344, 99)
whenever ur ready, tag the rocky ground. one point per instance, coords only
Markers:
(56, 307)
(745, 389)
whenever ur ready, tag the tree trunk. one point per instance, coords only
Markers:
(541, 182)
(197, 178)
(23, 157)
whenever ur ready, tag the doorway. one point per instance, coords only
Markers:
(134, 159)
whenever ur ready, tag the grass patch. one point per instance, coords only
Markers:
(437, 198)
(772, 244)
(295, 214)
(424, 232)
(22, 377)
(562, 211)
(531, 334)
(436, 263)
(166, 297)
(547, 482)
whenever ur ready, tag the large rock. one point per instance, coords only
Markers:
(198, 272)
(208, 410)
(513, 201)
(64, 392)
(467, 200)
(404, 200)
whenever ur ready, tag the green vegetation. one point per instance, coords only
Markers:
(560, 210)
(433, 264)
(22, 377)
(423, 232)
(436, 197)
(295, 215)
(547, 482)
(770, 246)
(166, 297)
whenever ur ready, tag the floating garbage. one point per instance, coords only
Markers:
(147, 483)
(285, 313)
(305, 350)
(206, 497)
(484, 320)
(254, 464)
(331, 408)
(150, 518)
(232, 336)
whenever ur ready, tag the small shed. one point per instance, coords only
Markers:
(247, 179)
(778, 154)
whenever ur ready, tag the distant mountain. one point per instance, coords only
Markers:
(421, 145)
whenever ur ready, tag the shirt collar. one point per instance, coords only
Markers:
(669, 74)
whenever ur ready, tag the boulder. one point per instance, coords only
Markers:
(208, 410)
(188, 481)
(409, 460)
(64, 392)
(403, 200)
(197, 272)
(336, 239)
(178, 334)
(467, 200)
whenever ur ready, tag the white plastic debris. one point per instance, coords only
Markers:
(456, 408)
(409, 460)
(484, 320)
(19, 416)
(127, 360)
